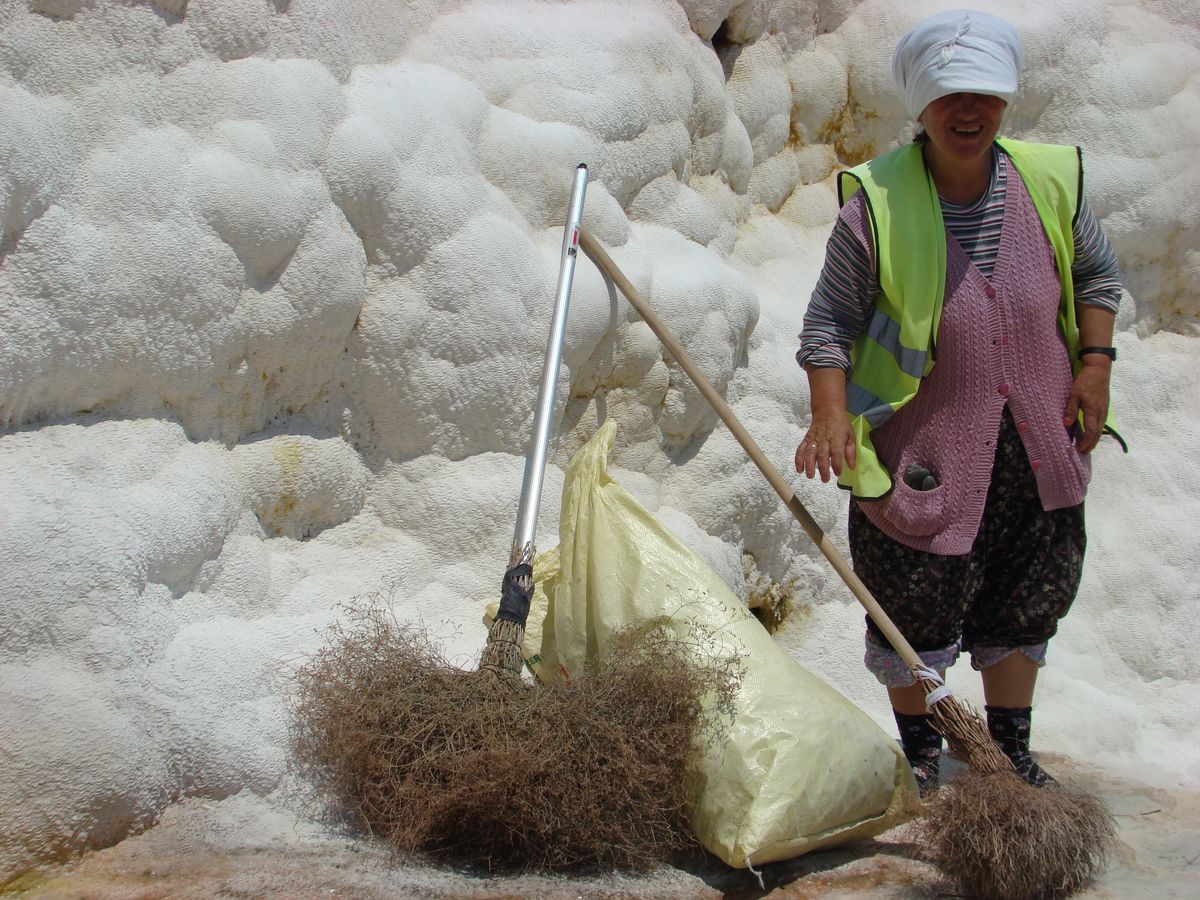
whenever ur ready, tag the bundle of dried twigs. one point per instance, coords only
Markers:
(589, 772)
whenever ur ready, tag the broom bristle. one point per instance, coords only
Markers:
(967, 734)
(999, 837)
(502, 658)
(589, 772)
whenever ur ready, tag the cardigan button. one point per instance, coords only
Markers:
(991, 292)
(1002, 390)
(1037, 464)
(1022, 427)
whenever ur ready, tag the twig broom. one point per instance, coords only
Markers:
(501, 658)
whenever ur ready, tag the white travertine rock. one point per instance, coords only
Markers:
(37, 153)
(261, 215)
(736, 156)
(832, 13)
(815, 162)
(301, 484)
(275, 286)
(706, 16)
(811, 205)
(820, 96)
(439, 353)
(402, 161)
(759, 88)
(712, 311)
(667, 202)
(774, 180)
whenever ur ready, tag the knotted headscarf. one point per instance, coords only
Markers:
(957, 51)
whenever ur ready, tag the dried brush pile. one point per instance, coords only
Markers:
(1001, 838)
(587, 773)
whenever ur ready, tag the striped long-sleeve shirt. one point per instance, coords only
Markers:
(845, 293)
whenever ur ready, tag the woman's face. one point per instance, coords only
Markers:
(963, 126)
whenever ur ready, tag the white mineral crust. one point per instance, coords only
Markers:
(275, 284)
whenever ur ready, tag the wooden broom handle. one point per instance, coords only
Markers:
(840, 565)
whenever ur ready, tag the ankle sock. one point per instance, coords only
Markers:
(922, 748)
(1010, 727)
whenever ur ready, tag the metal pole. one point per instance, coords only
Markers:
(535, 460)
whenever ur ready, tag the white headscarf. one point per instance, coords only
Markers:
(957, 51)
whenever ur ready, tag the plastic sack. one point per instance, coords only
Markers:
(803, 768)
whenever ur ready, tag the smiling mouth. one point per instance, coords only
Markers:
(968, 131)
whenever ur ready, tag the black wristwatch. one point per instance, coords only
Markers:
(1110, 352)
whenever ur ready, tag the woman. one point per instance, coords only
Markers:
(958, 347)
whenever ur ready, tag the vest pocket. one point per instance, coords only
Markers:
(918, 513)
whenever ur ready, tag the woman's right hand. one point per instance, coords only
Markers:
(829, 440)
(828, 443)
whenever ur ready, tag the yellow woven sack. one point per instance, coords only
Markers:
(803, 768)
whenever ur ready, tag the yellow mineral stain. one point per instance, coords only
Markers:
(289, 456)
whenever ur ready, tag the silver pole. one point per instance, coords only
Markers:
(535, 460)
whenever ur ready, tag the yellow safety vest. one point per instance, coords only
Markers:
(899, 343)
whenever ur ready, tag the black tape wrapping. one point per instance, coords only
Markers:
(514, 599)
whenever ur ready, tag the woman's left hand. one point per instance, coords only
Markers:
(1089, 393)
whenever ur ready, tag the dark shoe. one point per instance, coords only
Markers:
(1032, 772)
(1010, 728)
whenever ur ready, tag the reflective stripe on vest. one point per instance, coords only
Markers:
(899, 345)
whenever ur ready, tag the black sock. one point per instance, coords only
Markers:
(922, 748)
(1009, 727)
